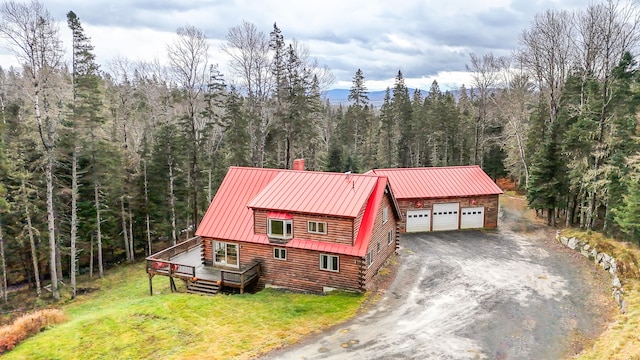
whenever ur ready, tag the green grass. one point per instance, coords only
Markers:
(122, 321)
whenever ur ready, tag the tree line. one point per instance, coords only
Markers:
(99, 166)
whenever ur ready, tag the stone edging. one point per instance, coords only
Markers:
(606, 262)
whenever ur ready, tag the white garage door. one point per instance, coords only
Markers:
(445, 216)
(472, 217)
(418, 220)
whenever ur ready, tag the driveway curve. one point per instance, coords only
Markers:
(472, 295)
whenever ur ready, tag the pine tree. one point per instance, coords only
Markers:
(86, 106)
(546, 184)
(402, 113)
(236, 134)
(628, 215)
(388, 131)
(357, 115)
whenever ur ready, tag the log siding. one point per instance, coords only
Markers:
(379, 239)
(339, 230)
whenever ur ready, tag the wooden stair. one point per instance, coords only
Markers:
(202, 287)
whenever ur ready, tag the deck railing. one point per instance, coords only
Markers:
(239, 278)
(160, 262)
(176, 249)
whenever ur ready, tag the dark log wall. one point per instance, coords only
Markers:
(339, 230)
(301, 269)
(380, 236)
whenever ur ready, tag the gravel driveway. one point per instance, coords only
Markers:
(472, 295)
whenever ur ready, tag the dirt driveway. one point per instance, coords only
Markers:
(473, 295)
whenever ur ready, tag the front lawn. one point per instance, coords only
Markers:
(121, 320)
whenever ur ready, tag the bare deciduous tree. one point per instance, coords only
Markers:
(251, 63)
(547, 53)
(33, 36)
(188, 57)
(514, 108)
(486, 76)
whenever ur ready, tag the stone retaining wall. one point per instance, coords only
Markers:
(604, 260)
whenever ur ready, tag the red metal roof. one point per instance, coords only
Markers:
(279, 215)
(229, 217)
(316, 193)
(439, 182)
(364, 235)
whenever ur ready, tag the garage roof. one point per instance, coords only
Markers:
(439, 182)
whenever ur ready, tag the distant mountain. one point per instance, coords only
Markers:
(376, 98)
(341, 96)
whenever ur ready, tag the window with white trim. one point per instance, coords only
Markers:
(329, 262)
(317, 227)
(385, 215)
(281, 229)
(369, 259)
(280, 253)
(377, 247)
(390, 237)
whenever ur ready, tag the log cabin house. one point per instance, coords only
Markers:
(317, 231)
(303, 230)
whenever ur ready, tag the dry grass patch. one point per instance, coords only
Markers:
(28, 325)
(626, 254)
(621, 340)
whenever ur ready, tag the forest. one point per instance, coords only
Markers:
(105, 164)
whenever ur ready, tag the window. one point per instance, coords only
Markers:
(281, 229)
(385, 215)
(390, 237)
(317, 227)
(369, 259)
(378, 247)
(280, 253)
(329, 262)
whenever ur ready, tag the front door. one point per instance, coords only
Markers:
(225, 254)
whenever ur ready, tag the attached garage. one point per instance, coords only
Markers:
(445, 216)
(472, 217)
(418, 220)
(444, 198)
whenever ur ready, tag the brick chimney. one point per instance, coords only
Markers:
(298, 164)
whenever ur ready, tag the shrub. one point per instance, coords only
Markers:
(28, 325)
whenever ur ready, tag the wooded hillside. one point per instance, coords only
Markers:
(103, 164)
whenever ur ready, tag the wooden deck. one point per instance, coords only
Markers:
(185, 261)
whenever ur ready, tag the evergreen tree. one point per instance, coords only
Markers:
(357, 116)
(546, 184)
(627, 215)
(388, 132)
(402, 114)
(85, 113)
(236, 134)
(334, 161)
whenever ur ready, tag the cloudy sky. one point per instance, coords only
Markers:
(426, 39)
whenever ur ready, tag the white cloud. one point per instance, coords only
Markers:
(424, 39)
